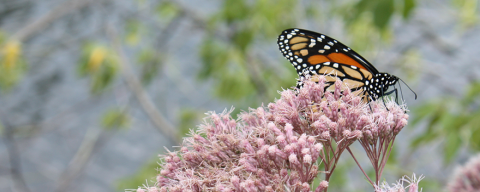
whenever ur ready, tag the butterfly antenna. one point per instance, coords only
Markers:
(401, 92)
(409, 88)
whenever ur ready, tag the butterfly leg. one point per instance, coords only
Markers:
(396, 94)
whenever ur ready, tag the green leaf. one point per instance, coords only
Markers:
(100, 64)
(115, 119)
(392, 160)
(423, 111)
(151, 64)
(234, 86)
(381, 14)
(167, 10)
(214, 58)
(234, 10)
(473, 92)
(474, 127)
(133, 31)
(242, 39)
(451, 122)
(189, 118)
(12, 63)
(145, 174)
(452, 144)
(408, 6)
(432, 184)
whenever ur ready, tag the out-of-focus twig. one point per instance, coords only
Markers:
(57, 12)
(19, 183)
(79, 161)
(143, 98)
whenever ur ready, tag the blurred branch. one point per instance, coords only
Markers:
(19, 183)
(143, 98)
(59, 11)
(79, 161)
(256, 77)
(34, 130)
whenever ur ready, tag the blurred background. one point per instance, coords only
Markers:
(91, 91)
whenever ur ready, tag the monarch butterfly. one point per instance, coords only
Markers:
(315, 54)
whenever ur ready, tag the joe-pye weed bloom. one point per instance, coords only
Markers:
(280, 147)
(467, 177)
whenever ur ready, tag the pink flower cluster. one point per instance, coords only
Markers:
(412, 185)
(279, 148)
(467, 178)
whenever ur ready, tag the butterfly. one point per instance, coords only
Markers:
(316, 54)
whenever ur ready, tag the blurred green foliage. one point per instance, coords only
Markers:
(12, 64)
(226, 54)
(468, 12)
(151, 64)
(189, 120)
(148, 170)
(134, 30)
(116, 119)
(100, 64)
(368, 21)
(381, 11)
(167, 11)
(451, 120)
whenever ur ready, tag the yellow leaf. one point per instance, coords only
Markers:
(96, 58)
(11, 52)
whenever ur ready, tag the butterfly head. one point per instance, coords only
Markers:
(380, 83)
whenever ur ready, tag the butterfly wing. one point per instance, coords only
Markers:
(317, 54)
(305, 48)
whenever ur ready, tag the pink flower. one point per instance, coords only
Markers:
(279, 148)
(467, 178)
(399, 186)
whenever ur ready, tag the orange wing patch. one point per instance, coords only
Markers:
(342, 58)
(317, 59)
